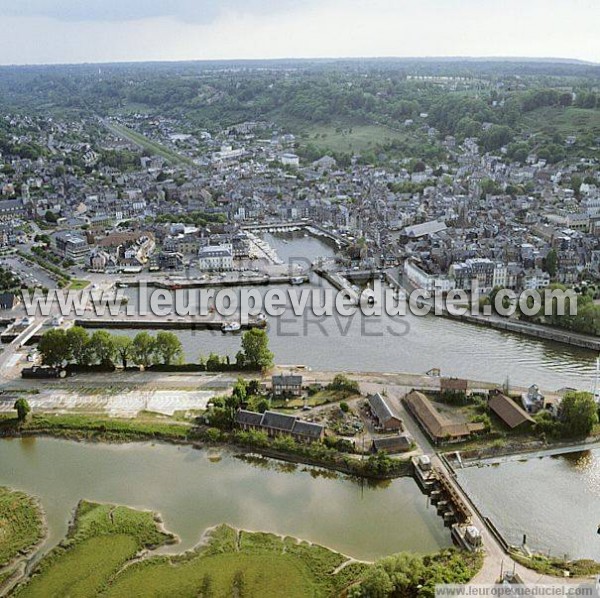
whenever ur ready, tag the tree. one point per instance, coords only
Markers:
(54, 347)
(262, 405)
(213, 363)
(376, 584)
(168, 348)
(23, 409)
(255, 345)
(253, 387)
(343, 383)
(236, 399)
(51, 217)
(578, 414)
(103, 347)
(552, 263)
(78, 341)
(143, 348)
(123, 348)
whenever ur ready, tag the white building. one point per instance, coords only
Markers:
(290, 160)
(428, 282)
(536, 279)
(216, 257)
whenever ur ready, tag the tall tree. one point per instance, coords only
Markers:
(168, 348)
(143, 349)
(103, 347)
(123, 348)
(255, 345)
(79, 345)
(578, 414)
(552, 263)
(54, 347)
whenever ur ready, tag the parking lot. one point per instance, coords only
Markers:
(30, 273)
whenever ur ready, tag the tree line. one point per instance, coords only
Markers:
(76, 346)
(59, 347)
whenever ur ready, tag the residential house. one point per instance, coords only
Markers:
(279, 424)
(290, 385)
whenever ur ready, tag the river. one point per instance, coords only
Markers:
(192, 493)
(403, 344)
(554, 500)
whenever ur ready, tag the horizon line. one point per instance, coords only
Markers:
(440, 58)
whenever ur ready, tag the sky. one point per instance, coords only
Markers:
(75, 31)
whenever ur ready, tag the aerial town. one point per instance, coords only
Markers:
(313, 455)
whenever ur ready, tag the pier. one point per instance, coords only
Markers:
(177, 284)
(340, 283)
(191, 323)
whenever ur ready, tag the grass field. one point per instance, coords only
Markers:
(350, 139)
(78, 284)
(244, 563)
(150, 145)
(322, 397)
(21, 524)
(103, 539)
(565, 121)
(96, 559)
(105, 428)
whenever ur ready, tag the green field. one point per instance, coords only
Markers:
(105, 428)
(21, 524)
(148, 144)
(564, 121)
(349, 139)
(249, 564)
(97, 559)
(78, 284)
(103, 539)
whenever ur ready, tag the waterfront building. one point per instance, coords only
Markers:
(279, 424)
(383, 413)
(512, 414)
(399, 443)
(286, 385)
(216, 258)
(437, 426)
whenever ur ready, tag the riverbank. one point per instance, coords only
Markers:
(528, 329)
(549, 333)
(22, 531)
(109, 551)
(495, 455)
(149, 428)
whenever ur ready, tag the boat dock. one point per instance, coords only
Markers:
(340, 283)
(198, 283)
(191, 323)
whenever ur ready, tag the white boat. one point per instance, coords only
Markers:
(230, 327)
(297, 280)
